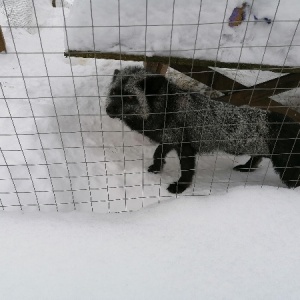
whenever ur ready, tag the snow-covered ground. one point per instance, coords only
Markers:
(197, 30)
(239, 241)
(243, 245)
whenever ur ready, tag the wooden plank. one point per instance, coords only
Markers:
(258, 96)
(2, 41)
(263, 90)
(181, 61)
(211, 78)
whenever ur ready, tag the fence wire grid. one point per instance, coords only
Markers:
(59, 149)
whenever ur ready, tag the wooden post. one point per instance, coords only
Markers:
(156, 68)
(2, 41)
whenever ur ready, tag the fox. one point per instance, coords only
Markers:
(192, 124)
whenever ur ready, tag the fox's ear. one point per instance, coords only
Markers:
(116, 72)
(152, 84)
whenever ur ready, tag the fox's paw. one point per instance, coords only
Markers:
(155, 169)
(243, 168)
(177, 187)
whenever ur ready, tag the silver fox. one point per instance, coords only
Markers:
(191, 123)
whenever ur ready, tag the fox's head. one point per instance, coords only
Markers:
(131, 92)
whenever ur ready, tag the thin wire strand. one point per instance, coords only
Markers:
(285, 116)
(145, 62)
(12, 179)
(123, 134)
(167, 98)
(214, 72)
(77, 107)
(101, 114)
(189, 91)
(29, 102)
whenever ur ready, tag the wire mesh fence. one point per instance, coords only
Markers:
(60, 151)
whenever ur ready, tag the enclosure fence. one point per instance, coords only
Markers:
(60, 151)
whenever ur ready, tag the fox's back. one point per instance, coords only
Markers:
(214, 125)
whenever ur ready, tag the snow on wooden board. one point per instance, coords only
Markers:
(196, 29)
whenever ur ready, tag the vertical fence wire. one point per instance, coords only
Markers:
(78, 113)
(101, 113)
(29, 102)
(123, 130)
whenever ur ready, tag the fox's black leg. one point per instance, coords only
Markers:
(284, 146)
(187, 163)
(250, 166)
(159, 157)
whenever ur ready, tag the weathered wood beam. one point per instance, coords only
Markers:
(209, 77)
(2, 41)
(181, 61)
(263, 90)
(258, 96)
(157, 68)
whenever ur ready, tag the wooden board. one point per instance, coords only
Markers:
(257, 96)
(156, 67)
(2, 41)
(263, 90)
(181, 61)
(210, 78)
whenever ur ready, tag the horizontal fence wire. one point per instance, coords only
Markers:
(60, 151)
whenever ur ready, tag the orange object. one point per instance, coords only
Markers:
(238, 15)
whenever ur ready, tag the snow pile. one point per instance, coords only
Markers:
(197, 30)
(21, 15)
(244, 245)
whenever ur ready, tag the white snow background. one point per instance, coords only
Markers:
(242, 245)
(240, 242)
(194, 29)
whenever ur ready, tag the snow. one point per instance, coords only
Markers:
(238, 240)
(242, 245)
(197, 30)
